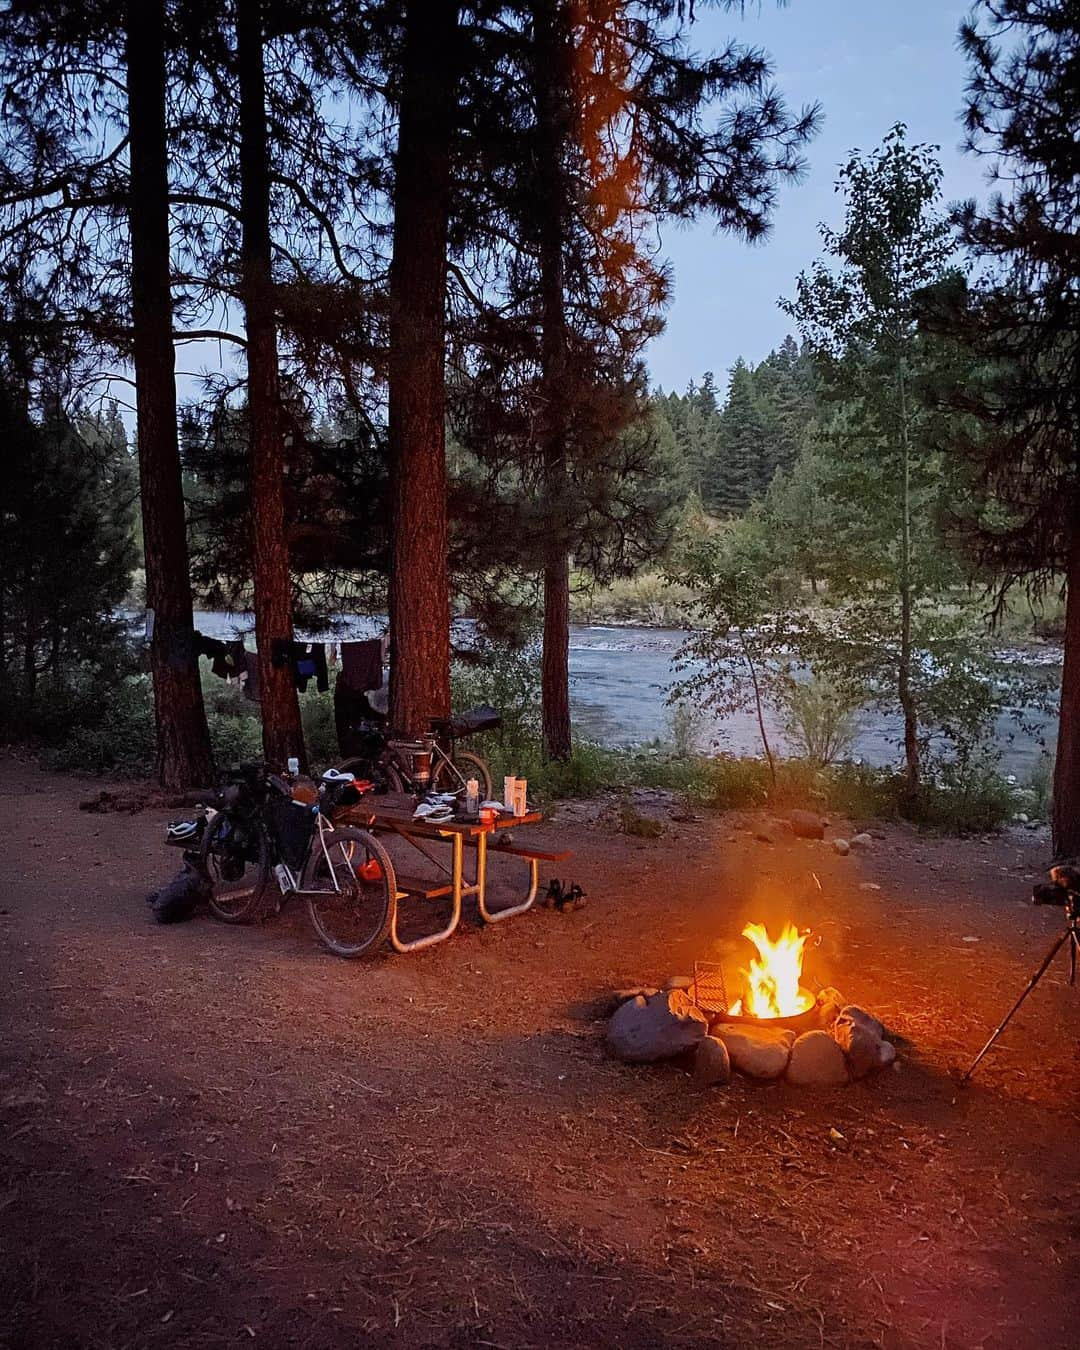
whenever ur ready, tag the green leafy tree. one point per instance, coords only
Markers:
(729, 663)
(67, 549)
(860, 318)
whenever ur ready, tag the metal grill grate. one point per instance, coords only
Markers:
(709, 991)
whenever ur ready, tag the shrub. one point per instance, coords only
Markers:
(963, 798)
(86, 725)
(821, 719)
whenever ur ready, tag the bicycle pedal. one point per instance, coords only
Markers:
(284, 879)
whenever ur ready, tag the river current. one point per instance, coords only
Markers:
(619, 681)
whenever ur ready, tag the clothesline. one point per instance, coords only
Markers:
(361, 662)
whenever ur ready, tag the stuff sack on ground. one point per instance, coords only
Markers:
(181, 897)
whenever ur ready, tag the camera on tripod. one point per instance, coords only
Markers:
(1062, 889)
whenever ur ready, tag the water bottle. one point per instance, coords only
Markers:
(472, 797)
(292, 766)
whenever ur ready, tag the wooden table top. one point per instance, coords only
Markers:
(395, 811)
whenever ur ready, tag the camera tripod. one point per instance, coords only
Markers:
(1071, 936)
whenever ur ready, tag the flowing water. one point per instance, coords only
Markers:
(619, 678)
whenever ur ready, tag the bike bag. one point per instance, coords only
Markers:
(292, 825)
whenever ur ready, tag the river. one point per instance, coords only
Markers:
(619, 677)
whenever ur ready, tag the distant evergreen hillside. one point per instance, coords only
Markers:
(730, 449)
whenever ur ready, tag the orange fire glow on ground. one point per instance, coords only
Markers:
(771, 982)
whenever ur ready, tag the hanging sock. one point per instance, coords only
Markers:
(251, 684)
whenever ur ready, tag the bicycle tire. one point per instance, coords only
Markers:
(468, 765)
(237, 899)
(335, 915)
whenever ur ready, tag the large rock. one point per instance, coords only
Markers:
(862, 1047)
(758, 1052)
(841, 846)
(817, 1061)
(712, 1063)
(861, 841)
(659, 1027)
(806, 824)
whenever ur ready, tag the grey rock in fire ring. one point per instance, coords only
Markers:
(648, 1029)
(758, 1052)
(817, 1061)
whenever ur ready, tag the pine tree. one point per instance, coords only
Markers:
(1019, 394)
(733, 477)
(282, 732)
(183, 740)
(419, 575)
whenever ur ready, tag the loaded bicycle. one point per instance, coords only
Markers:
(420, 764)
(265, 827)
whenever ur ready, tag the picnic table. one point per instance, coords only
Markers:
(393, 814)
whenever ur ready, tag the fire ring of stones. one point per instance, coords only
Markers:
(841, 1041)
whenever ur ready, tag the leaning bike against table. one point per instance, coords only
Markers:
(266, 826)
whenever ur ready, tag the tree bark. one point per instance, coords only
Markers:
(553, 114)
(283, 734)
(184, 758)
(419, 599)
(1066, 810)
(907, 698)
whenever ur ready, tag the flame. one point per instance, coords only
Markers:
(772, 978)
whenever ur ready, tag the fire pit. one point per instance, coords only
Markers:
(773, 992)
(774, 1026)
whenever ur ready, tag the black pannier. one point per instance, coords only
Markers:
(293, 824)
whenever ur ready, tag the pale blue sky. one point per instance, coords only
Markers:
(870, 63)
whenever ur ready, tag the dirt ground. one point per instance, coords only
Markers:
(214, 1135)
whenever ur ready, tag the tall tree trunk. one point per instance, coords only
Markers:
(183, 740)
(907, 697)
(1066, 812)
(553, 114)
(283, 734)
(419, 566)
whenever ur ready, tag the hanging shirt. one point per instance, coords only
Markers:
(361, 665)
(306, 660)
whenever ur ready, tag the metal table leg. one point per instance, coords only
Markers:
(459, 889)
(493, 916)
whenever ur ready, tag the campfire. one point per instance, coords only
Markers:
(773, 1027)
(773, 978)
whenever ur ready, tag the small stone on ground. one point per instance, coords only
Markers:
(712, 1063)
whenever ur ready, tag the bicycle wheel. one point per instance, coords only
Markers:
(235, 858)
(452, 777)
(350, 889)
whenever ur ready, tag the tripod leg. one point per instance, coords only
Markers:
(1065, 937)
